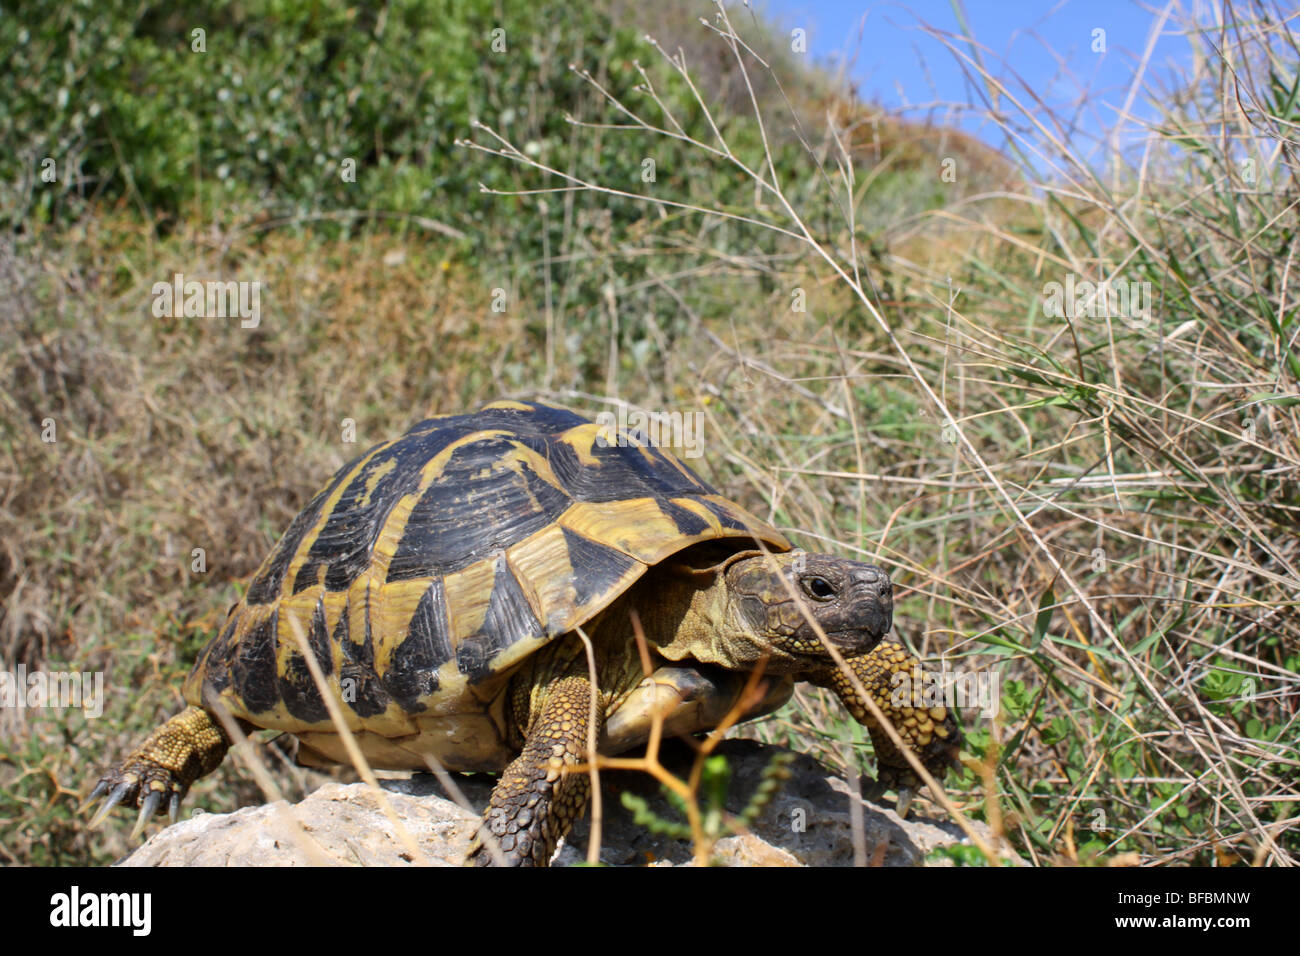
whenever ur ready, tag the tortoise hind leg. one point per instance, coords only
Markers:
(535, 802)
(158, 773)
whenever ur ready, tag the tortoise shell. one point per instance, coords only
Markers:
(429, 568)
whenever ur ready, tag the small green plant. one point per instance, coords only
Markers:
(714, 789)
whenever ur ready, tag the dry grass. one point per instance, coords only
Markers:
(1145, 472)
(183, 434)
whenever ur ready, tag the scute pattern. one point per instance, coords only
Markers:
(438, 561)
(411, 678)
(252, 669)
(592, 471)
(509, 620)
(487, 497)
(599, 569)
(265, 587)
(298, 690)
(343, 546)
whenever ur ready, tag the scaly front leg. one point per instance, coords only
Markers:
(930, 731)
(535, 802)
(157, 774)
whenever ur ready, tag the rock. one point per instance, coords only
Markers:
(807, 823)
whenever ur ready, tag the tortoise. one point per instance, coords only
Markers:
(444, 583)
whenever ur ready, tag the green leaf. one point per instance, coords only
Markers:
(1046, 605)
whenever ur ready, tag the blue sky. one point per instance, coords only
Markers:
(894, 62)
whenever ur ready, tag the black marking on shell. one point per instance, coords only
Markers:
(362, 690)
(509, 619)
(266, 586)
(252, 671)
(215, 660)
(687, 521)
(346, 542)
(466, 513)
(297, 688)
(411, 678)
(618, 474)
(725, 517)
(596, 567)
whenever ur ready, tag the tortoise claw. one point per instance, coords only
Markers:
(148, 806)
(113, 799)
(139, 782)
(905, 795)
(101, 788)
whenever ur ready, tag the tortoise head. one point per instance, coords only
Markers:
(775, 598)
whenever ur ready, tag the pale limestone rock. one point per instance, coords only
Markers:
(807, 824)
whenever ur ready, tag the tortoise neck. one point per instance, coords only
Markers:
(685, 615)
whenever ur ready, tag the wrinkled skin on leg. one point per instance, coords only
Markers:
(157, 774)
(535, 802)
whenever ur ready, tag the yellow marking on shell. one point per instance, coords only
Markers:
(298, 610)
(454, 693)
(509, 405)
(521, 457)
(358, 594)
(636, 526)
(526, 586)
(581, 438)
(704, 514)
(467, 593)
(507, 658)
(391, 609)
(390, 535)
(755, 525)
(309, 539)
(336, 605)
(543, 565)
(373, 481)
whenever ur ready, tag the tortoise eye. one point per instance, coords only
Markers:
(819, 588)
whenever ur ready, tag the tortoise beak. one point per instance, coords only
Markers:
(872, 615)
(875, 623)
